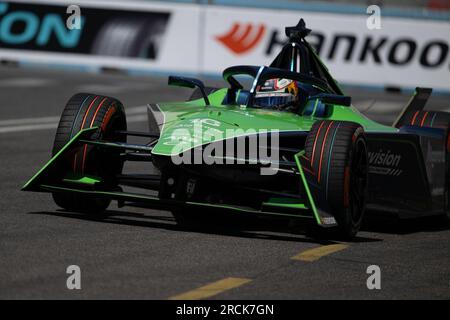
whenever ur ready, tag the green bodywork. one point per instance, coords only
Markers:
(184, 126)
(47, 170)
(218, 122)
(227, 121)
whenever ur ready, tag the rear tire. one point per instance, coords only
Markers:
(83, 111)
(439, 120)
(338, 155)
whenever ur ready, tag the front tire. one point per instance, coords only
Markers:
(338, 154)
(83, 111)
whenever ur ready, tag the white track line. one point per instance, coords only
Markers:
(12, 122)
(30, 127)
(136, 110)
(134, 114)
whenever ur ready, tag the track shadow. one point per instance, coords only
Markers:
(391, 225)
(235, 226)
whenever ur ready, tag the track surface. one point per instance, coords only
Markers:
(138, 253)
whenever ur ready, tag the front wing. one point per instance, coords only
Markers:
(52, 178)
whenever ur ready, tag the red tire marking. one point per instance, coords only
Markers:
(96, 111)
(108, 116)
(305, 167)
(356, 134)
(346, 186)
(81, 128)
(92, 122)
(308, 170)
(423, 119)
(315, 141)
(414, 118)
(87, 112)
(84, 158)
(323, 147)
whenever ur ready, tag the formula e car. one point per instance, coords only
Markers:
(280, 140)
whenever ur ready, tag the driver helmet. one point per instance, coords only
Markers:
(277, 93)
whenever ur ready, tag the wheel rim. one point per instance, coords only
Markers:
(358, 180)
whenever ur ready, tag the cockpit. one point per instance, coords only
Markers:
(272, 88)
(294, 76)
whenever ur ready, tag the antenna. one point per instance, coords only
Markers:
(298, 32)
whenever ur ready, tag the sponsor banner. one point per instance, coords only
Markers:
(191, 38)
(117, 35)
(403, 53)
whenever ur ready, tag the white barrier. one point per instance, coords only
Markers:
(403, 53)
(124, 35)
(190, 38)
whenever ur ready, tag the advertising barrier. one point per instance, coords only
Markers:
(403, 52)
(138, 35)
(204, 39)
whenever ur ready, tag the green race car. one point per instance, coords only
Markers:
(281, 141)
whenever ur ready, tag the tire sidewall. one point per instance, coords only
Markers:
(351, 226)
(96, 162)
(334, 189)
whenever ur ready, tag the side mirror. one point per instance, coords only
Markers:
(189, 83)
(334, 99)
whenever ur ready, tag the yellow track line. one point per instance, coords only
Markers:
(317, 253)
(211, 289)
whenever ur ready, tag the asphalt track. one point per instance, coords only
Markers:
(137, 253)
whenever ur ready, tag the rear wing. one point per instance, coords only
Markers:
(416, 103)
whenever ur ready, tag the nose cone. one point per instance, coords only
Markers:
(180, 136)
(205, 125)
